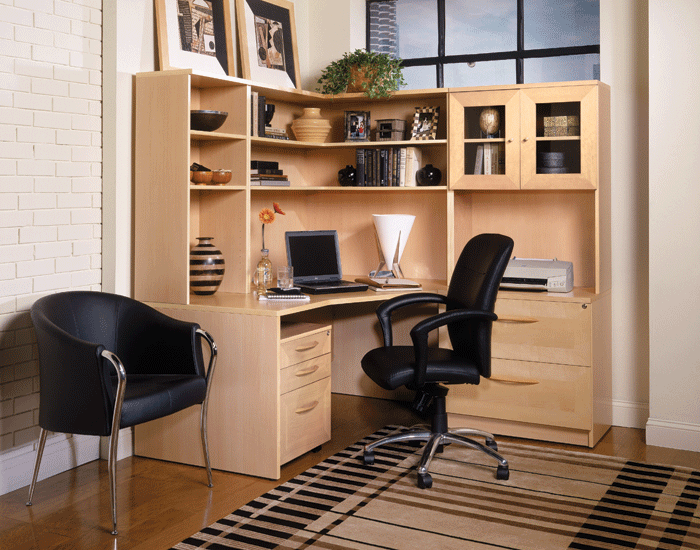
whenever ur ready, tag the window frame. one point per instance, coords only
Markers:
(519, 55)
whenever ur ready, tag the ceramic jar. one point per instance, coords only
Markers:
(346, 176)
(206, 267)
(311, 126)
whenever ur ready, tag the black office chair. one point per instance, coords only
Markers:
(469, 315)
(108, 362)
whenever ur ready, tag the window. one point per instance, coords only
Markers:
(452, 43)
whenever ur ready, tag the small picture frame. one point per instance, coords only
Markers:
(357, 125)
(425, 121)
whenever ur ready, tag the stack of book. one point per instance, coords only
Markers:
(490, 159)
(387, 167)
(267, 172)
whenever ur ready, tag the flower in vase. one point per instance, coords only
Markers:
(267, 216)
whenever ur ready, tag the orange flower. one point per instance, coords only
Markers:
(266, 215)
(277, 208)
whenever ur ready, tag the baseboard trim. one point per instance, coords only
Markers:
(62, 452)
(673, 435)
(629, 414)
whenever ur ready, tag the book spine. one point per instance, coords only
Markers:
(360, 171)
(261, 116)
(402, 167)
(479, 162)
(487, 159)
(384, 175)
(257, 164)
(254, 114)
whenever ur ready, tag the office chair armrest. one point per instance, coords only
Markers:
(419, 333)
(385, 310)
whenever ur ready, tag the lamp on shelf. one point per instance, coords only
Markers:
(392, 231)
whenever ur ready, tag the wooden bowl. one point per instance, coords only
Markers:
(201, 177)
(221, 177)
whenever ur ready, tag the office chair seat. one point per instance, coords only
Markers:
(393, 367)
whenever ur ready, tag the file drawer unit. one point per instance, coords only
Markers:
(550, 376)
(305, 389)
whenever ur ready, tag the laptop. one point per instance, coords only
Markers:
(315, 257)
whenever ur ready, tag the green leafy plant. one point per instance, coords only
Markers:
(375, 74)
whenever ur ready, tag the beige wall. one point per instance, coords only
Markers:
(674, 225)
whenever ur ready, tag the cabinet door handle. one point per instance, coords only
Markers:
(312, 345)
(511, 319)
(306, 408)
(525, 139)
(510, 140)
(306, 372)
(508, 380)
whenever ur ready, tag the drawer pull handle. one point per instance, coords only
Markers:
(306, 372)
(312, 345)
(516, 320)
(508, 380)
(307, 408)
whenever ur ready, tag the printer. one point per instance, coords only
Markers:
(538, 274)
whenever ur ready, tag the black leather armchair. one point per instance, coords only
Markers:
(468, 316)
(108, 362)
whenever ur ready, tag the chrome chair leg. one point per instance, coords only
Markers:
(205, 404)
(37, 464)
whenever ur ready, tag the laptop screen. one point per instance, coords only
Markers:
(314, 255)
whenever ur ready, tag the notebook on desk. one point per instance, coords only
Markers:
(315, 257)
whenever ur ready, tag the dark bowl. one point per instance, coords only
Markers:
(207, 121)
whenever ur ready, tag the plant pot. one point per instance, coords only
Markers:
(206, 267)
(360, 79)
(311, 126)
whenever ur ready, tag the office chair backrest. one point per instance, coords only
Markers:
(474, 285)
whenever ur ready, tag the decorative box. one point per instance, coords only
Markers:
(390, 129)
(555, 126)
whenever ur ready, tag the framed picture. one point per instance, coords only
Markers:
(195, 34)
(357, 125)
(425, 122)
(267, 42)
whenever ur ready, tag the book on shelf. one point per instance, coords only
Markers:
(278, 183)
(266, 171)
(268, 177)
(261, 116)
(479, 162)
(387, 166)
(487, 159)
(254, 114)
(256, 164)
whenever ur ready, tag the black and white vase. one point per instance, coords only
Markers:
(206, 267)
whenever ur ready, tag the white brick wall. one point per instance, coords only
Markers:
(50, 185)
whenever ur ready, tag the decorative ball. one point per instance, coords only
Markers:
(490, 120)
(428, 175)
(346, 176)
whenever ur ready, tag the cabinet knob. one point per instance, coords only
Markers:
(525, 139)
(510, 140)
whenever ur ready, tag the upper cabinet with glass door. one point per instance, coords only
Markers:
(547, 137)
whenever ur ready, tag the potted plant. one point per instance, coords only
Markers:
(375, 74)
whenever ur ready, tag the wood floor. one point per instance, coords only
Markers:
(161, 503)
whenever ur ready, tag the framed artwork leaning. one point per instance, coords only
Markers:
(267, 42)
(195, 34)
(425, 121)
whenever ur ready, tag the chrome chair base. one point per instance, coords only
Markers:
(434, 441)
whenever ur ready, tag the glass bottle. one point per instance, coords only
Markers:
(265, 265)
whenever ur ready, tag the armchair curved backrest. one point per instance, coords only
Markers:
(78, 388)
(474, 285)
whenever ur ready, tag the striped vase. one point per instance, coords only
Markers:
(206, 267)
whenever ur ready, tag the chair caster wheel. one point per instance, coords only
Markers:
(368, 458)
(502, 473)
(492, 443)
(425, 481)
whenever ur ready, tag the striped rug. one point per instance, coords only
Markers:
(553, 499)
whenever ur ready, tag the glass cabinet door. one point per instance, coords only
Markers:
(558, 135)
(484, 140)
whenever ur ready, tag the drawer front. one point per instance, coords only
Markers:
(305, 419)
(545, 332)
(305, 373)
(305, 347)
(537, 393)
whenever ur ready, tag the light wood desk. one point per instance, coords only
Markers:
(270, 399)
